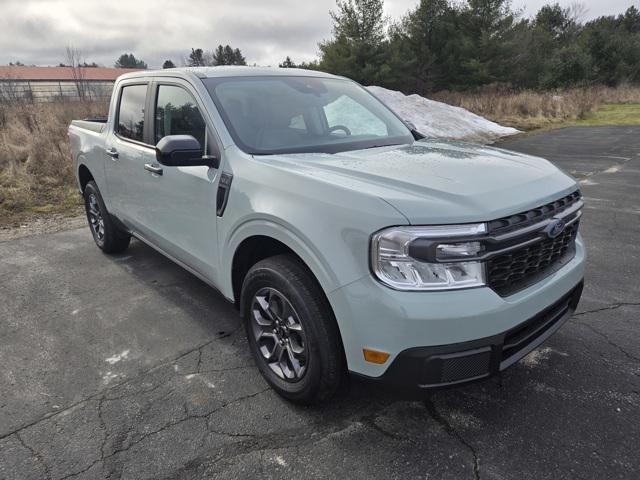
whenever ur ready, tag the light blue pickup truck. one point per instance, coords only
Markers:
(347, 240)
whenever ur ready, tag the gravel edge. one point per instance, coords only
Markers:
(39, 224)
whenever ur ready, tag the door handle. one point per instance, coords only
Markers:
(113, 153)
(153, 168)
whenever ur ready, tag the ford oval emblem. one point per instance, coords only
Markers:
(555, 228)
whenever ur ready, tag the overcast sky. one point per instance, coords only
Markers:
(37, 31)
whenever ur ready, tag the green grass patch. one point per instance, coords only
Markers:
(608, 114)
(618, 114)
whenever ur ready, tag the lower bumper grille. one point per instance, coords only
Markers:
(448, 365)
(519, 339)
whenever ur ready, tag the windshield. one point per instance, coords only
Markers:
(295, 114)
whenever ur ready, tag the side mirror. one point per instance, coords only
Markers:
(183, 151)
(414, 131)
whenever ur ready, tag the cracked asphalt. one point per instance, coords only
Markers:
(128, 367)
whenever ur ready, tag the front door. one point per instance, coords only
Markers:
(182, 211)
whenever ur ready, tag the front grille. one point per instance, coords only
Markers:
(524, 219)
(510, 272)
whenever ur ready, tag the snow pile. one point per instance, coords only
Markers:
(437, 119)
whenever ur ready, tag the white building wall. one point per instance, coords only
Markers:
(48, 91)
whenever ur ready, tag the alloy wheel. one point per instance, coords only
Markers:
(279, 335)
(95, 217)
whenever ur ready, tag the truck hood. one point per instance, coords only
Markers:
(435, 181)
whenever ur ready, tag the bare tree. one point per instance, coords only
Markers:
(577, 12)
(13, 89)
(75, 61)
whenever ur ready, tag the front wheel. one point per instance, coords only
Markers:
(105, 233)
(292, 332)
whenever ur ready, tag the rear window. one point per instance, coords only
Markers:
(131, 112)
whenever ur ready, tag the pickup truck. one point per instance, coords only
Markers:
(349, 243)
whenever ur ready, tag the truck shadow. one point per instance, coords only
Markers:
(208, 309)
(217, 382)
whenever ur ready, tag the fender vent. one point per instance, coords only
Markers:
(222, 197)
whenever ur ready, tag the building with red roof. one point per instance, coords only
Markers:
(43, 84)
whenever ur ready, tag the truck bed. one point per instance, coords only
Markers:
(96, 124)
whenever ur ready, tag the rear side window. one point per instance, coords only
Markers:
(131, 112)
(177, 114)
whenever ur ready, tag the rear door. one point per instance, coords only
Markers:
(124, 149)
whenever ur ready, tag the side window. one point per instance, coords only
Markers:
(131, 112)
(347, 112)
(177, 114)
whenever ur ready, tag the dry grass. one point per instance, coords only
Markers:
(35, 161)
(528, 109)
(36, 174)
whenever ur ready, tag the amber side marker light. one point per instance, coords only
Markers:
(373, 356)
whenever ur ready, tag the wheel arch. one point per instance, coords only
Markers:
(250, 251)
(259, 239)
(84, 176)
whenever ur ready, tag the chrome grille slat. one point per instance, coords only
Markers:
(521, 220)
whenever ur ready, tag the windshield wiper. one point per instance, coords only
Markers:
(383, 145)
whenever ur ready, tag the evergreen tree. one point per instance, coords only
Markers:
(462, 44)
(238, 57)
(128, 60)
(357, 49)
(168, 64)
(288, 63)
(227, 56)
(196, 58)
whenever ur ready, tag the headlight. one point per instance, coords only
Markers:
(429, 258)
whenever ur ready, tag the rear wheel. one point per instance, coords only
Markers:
(291, 330)
(107, 236)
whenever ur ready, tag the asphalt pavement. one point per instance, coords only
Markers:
(128, 367)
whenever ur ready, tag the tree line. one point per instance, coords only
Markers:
(221, 55)
(448, 44)
(460, 45)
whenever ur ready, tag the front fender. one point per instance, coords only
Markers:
(287, 234)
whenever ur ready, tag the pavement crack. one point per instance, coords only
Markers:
(199, 364)
(186, 417)
(219, 370)
(444, 423)
(613, 306)
(370, 421)
(80, 472)
(293, 438)
(102, 392)
(608, 339)
(103, 425)
(35, 455)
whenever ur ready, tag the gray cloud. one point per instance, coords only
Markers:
(37, 31)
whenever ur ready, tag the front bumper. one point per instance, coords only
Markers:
(421, 324)
(443, 366)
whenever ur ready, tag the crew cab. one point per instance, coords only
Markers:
(348, 241)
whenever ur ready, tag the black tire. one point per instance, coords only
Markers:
(323, 371)
(105, 233)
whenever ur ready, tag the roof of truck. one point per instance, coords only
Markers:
(230, 71)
